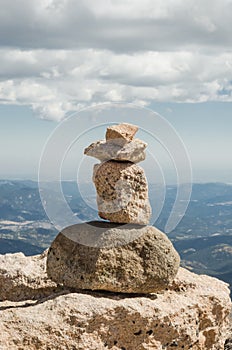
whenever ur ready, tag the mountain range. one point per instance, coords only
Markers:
(203, 238)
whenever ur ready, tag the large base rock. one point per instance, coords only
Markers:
(192, 314)
(148, 263)
(122, 192)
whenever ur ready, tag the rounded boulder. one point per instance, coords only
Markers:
(118, 258)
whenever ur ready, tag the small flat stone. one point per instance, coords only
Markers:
(121, 133)
(104, 150)
(122, 192)
(144, 265)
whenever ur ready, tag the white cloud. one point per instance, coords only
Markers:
(70, 54)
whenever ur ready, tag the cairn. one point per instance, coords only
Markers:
(121, 185)
(124, 254)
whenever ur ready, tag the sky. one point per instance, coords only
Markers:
(59, 56)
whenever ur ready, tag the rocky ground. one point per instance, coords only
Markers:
(228, 343)
(193, 313)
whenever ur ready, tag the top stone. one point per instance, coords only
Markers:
(121, 133)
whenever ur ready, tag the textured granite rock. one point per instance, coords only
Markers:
(228, 344)
(148, 263)
(191, 314)
(121, 133)
(107, 150)
(24, 277)
(122, 192)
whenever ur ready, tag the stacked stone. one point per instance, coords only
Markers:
(100, 255)
(121, 185)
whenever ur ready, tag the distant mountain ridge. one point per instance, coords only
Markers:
(14, 246)
(203, 238)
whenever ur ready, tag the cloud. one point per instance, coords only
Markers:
(58, 56)
(120, 26)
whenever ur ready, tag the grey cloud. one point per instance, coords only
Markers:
(60, 55)
(75, 24)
